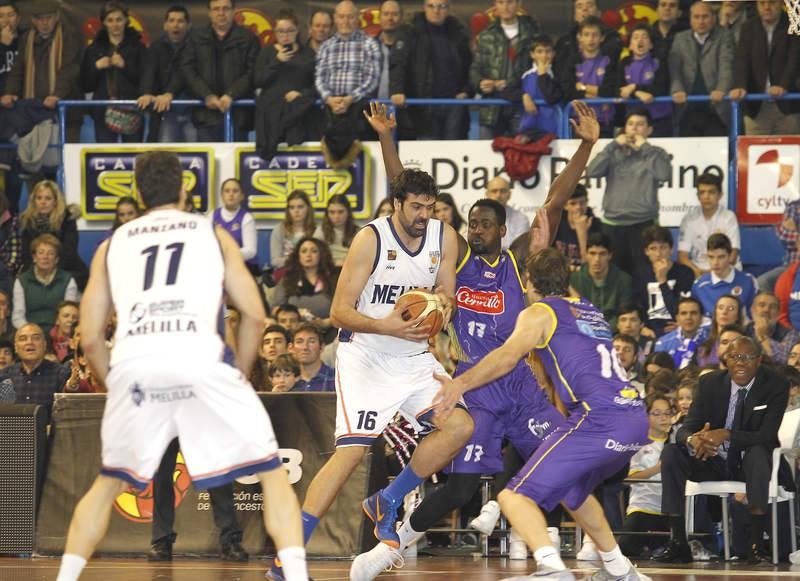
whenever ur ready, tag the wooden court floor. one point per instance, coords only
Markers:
(433, 568)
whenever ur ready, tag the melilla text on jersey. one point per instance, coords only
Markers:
(387, 294)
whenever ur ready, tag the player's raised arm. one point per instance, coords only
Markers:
(96, 307)
(534, 326)
(383, 124)
(355, 273)
(244, 295)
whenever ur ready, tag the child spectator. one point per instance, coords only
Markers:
(683, 342)
(298, 223)
(658, 288)
(284, 372)
(274, 342)
(657, 361)
(64, 328)
(727, 311)
(576, 224)
(338, 228)
(644, 506)
(446, 210)
(701, 222)
(6, 353)
(238, 222)
(723, 279)
(633, 169)
(602, 283)
(630, 322)
(643, 76)
(538, 83)
(589, 73)
(683, 401)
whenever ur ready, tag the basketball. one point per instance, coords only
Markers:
(422, 303)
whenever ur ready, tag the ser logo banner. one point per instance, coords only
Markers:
(267, 184)
(107, 176)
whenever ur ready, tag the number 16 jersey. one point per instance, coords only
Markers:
(166, 274)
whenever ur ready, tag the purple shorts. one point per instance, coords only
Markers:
(580, 455)
(512, 408)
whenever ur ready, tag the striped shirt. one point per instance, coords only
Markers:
(348, 66)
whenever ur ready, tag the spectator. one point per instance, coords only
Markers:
(10, 246)
(284, 373)
(630, 322)
(47, 213)
(9, 39)
(787, 233)
(307, 349)
(7, 330)
(298, 223)
(659, 287)
(436, 64)
(701, 63)
(683, 401)
(501, 56)
(111, 69)
(723, 439)
(644, 505)
(633, 169)
(348, 71)
(776, 340)
(61, 335)
(567, 45)
(723, 278)
(733, 16)
(793, 377)
(338, 228)
(385, 208)
(668, 23)
(767, 61)
(627, 349)
(701, 222)
(217, 64)
(162, 81)
(446, 210)
(589, 72)
(284, 73)
(288, 317)
(320, 27)
(727, 335)
(6, 356)
(47, 67)
(727, 311)
(786, 289)
(274, 342)
(682, 343)
(237, 221)
(601, 282)
(657, 361)
(393, 39)
(643, 76)
(794, 356)
(577, 223)
(39, 290)
(499, 190)
(539, 83)
(309, 281)
(127, 209)
(33, 379)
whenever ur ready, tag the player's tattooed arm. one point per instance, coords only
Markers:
(96, 307)
(384, 123)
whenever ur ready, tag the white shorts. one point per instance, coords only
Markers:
(224, 430)
(371, 387)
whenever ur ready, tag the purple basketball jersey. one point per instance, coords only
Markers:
(234, 227)
(580, 358)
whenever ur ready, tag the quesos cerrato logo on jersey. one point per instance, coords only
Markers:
(486, 302)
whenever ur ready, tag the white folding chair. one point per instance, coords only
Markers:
(724, 488)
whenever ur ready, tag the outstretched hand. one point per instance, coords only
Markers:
(379, 118)
(447, 398)
(540, 232)
(586, 125)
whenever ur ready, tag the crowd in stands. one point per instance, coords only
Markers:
(675, 311)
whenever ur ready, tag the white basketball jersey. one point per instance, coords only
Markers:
(166, 274)
(396, 270)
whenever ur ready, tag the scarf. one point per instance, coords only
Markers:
(54, 62)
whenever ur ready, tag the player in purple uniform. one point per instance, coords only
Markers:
(490, 295)
(606, 426)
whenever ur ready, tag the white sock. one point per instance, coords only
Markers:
(71, 567)
(549, 557)
(408, 536)
(615, 562)
(293, 563)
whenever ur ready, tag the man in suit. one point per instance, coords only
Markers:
(701, 63)
(768, 61)
(726, 441)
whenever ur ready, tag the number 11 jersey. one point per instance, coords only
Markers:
(166, 275)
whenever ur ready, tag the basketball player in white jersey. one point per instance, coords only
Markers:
(383, 363)
(164, 275)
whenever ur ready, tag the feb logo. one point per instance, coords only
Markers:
(91, 26)
(258, 23)
(107, 174)
(137, 505)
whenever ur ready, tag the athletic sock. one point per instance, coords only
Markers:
(293, 563)
(677, 529)
(408, 536)
(758, 524)
(615, 562)
(310, 522)
(405, 482)
(549, 557)
(71, 567)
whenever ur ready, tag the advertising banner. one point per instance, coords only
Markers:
(768, 177)
(463, 168)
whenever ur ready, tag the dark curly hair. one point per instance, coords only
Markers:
(326, 270)
(413, 181)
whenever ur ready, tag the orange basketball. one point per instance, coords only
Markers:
(422, 304)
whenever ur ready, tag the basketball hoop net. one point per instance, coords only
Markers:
(793, 9)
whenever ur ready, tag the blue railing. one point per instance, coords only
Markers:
(563, 110)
